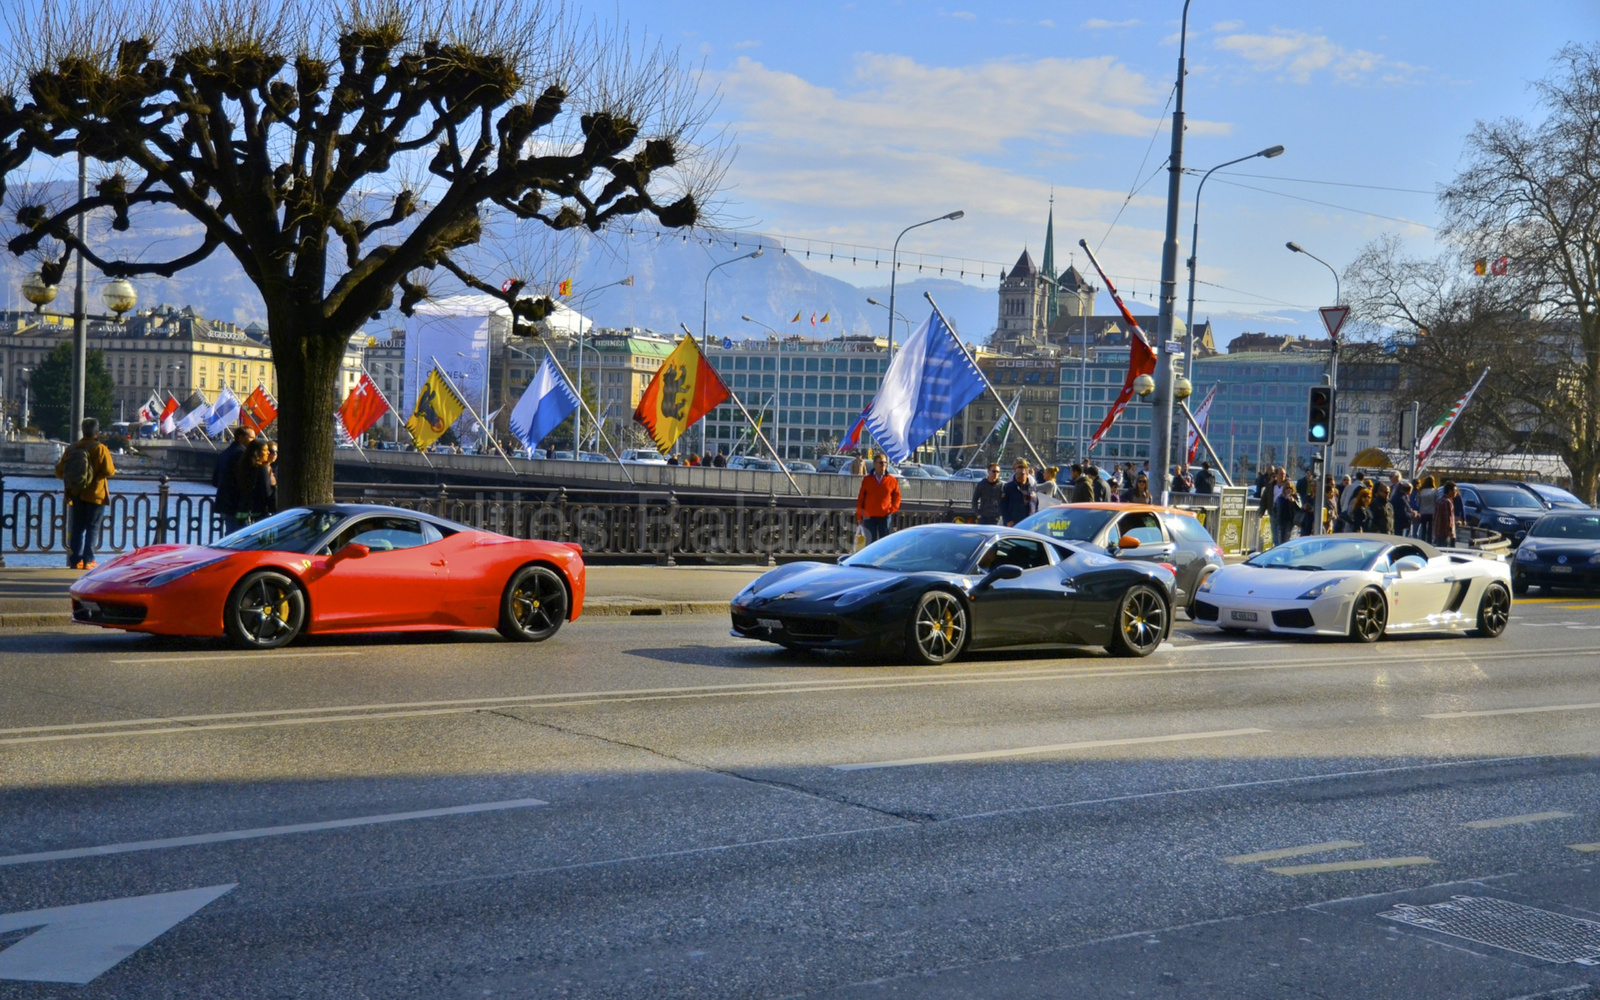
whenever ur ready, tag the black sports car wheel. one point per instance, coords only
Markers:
(266, 610)
(1141, 622)
(938, 628)
(1369, 617)
(533, 606)
(1494, 612)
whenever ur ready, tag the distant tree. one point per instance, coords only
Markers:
(341, 150)
(50, 384)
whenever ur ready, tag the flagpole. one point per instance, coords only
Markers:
(1184, 404)
(459, 395)
(1452, 424)
(1009, 415)
(755, 426)
(576, 391)
(393, 409)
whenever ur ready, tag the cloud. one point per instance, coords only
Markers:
(964, 15)
(1101, 24)
(749, 44)
(1298, 56)
(1226, 26)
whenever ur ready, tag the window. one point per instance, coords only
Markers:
(385, 534)
(1024, 553)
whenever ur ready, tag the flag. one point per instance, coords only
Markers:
(169, 415)
(685, 389)
(258, 410)
(853, 439)
(1141, 359)
(1200, 416)
(546, 402)
(813, 319)
(194, 411)
(437, 408)
(1480, 267)
(565, 288)
(796, 318)
(929, 381)
(825, 317)
(1500, 267)
(224, 413)
(152, 410)
(1434, 436)
(361, 409)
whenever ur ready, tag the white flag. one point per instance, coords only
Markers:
(224, 412)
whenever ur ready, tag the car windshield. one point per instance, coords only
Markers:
(1585, 526)
(1070, 524)
(1504, 496)
(1556, 494)
(920, 550)
(291, 531)
(936, 471)
(1321, 553)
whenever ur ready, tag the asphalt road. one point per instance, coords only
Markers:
(649, 808)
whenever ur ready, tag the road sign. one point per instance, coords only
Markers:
(76, 944)
(1333, 318)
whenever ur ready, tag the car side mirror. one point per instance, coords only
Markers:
(1005, 571)
(1409, 564)
(355, 550)
(1128, 542)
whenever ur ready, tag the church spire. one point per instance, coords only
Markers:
(1048, 268)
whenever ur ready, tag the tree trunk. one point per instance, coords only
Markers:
(308, 357)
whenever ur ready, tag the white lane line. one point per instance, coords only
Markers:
(1352, 866)
(1585, 848)
(1586, 707)
(1499, 821)
(260, 657)
(266, 831)
(1292, 852)
(1049, 748)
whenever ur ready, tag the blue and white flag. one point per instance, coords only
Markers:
(224, 413)
(546, 402)
(194, 413)
(929, 381)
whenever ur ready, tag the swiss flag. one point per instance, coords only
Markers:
(362, 408)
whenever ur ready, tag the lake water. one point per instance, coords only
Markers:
(34, 506)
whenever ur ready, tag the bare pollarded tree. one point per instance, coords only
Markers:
(275, 125)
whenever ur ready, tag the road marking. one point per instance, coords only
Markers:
(242, 656)
(1049, 748)
(1291, 852)
(1351, 866)
(1585, 848)
(1585, 707)
(265, 831)
(77, 944)
(1491, 824)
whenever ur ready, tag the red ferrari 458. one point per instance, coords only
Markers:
(338, 568)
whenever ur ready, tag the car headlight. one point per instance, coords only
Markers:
(1595, 558)
(1205, 584)
(1529, 554)
(1506, 520)
(856, 595)
(1320, 589)
(162, 579)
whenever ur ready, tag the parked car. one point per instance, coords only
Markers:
(1562, 549)
(643, 456)
(1552, 497)
(970, 473)
(801, 467)
(1138, 531)
(932, 471)
(754, 464)
(1509, 510)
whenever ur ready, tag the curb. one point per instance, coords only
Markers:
(636, 608)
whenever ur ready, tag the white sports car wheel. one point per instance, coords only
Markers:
(1494, 612)
(1370, 616)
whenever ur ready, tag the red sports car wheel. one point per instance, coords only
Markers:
(266, 610)
(534, 605)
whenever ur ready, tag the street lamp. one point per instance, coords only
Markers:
(583, 302)
(764, 326)
(705, 311)
(894, 266)
(27, 383)
(483, 400)
(1194, 250)
(1333, 381)
(896, 315)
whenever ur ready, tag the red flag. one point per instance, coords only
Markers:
(362, 408)
(1500, 267)
(258, 410)
(1141, 359)
(854, 437)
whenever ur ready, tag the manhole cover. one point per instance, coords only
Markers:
(1526, 930)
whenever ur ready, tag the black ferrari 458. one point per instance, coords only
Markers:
(933, 592)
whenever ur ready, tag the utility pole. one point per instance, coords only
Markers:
(1161, 423)
(80, 319)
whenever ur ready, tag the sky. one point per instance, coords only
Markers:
(850, 121)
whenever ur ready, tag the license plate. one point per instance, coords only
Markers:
(1561, 569)
(770, 624)
(1243, 616)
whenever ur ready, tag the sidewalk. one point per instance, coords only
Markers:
(31, 597)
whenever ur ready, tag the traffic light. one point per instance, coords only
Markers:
(1319, 415)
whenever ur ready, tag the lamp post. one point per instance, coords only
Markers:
(895, 314)
(894, 266)
(1194, 251)
(27, 384)
(764, 326)
(483, 398)
(1333, 383)
(1161, 420)
(583, 302)
(705, 311)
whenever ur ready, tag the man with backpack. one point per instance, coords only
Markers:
(84, 470)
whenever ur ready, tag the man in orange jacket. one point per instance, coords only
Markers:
(877, 500)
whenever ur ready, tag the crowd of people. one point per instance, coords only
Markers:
(246, 480)
(1388, 505)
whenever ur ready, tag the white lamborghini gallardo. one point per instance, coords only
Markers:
(1359, 586)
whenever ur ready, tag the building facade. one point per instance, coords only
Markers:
(1028, 385)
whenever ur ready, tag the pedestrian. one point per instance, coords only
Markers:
(1381, 513)
(1286, 513)
(226, 502)
(721, 461)
(1097, 485)
(1181, 483)
(84, 470)
(254, 485)
(858, 467)
(986, 496)
(1140, 491)
(1330, 511)
(877, 500)
(1048, 487)
(1019, 499)
(1359, 516)
(1205, 481)
(1082, 492)
(1347, 496)
(1445, 521)
(1427, 497)
(1405, 520)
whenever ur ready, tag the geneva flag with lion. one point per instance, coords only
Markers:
(683, 391)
